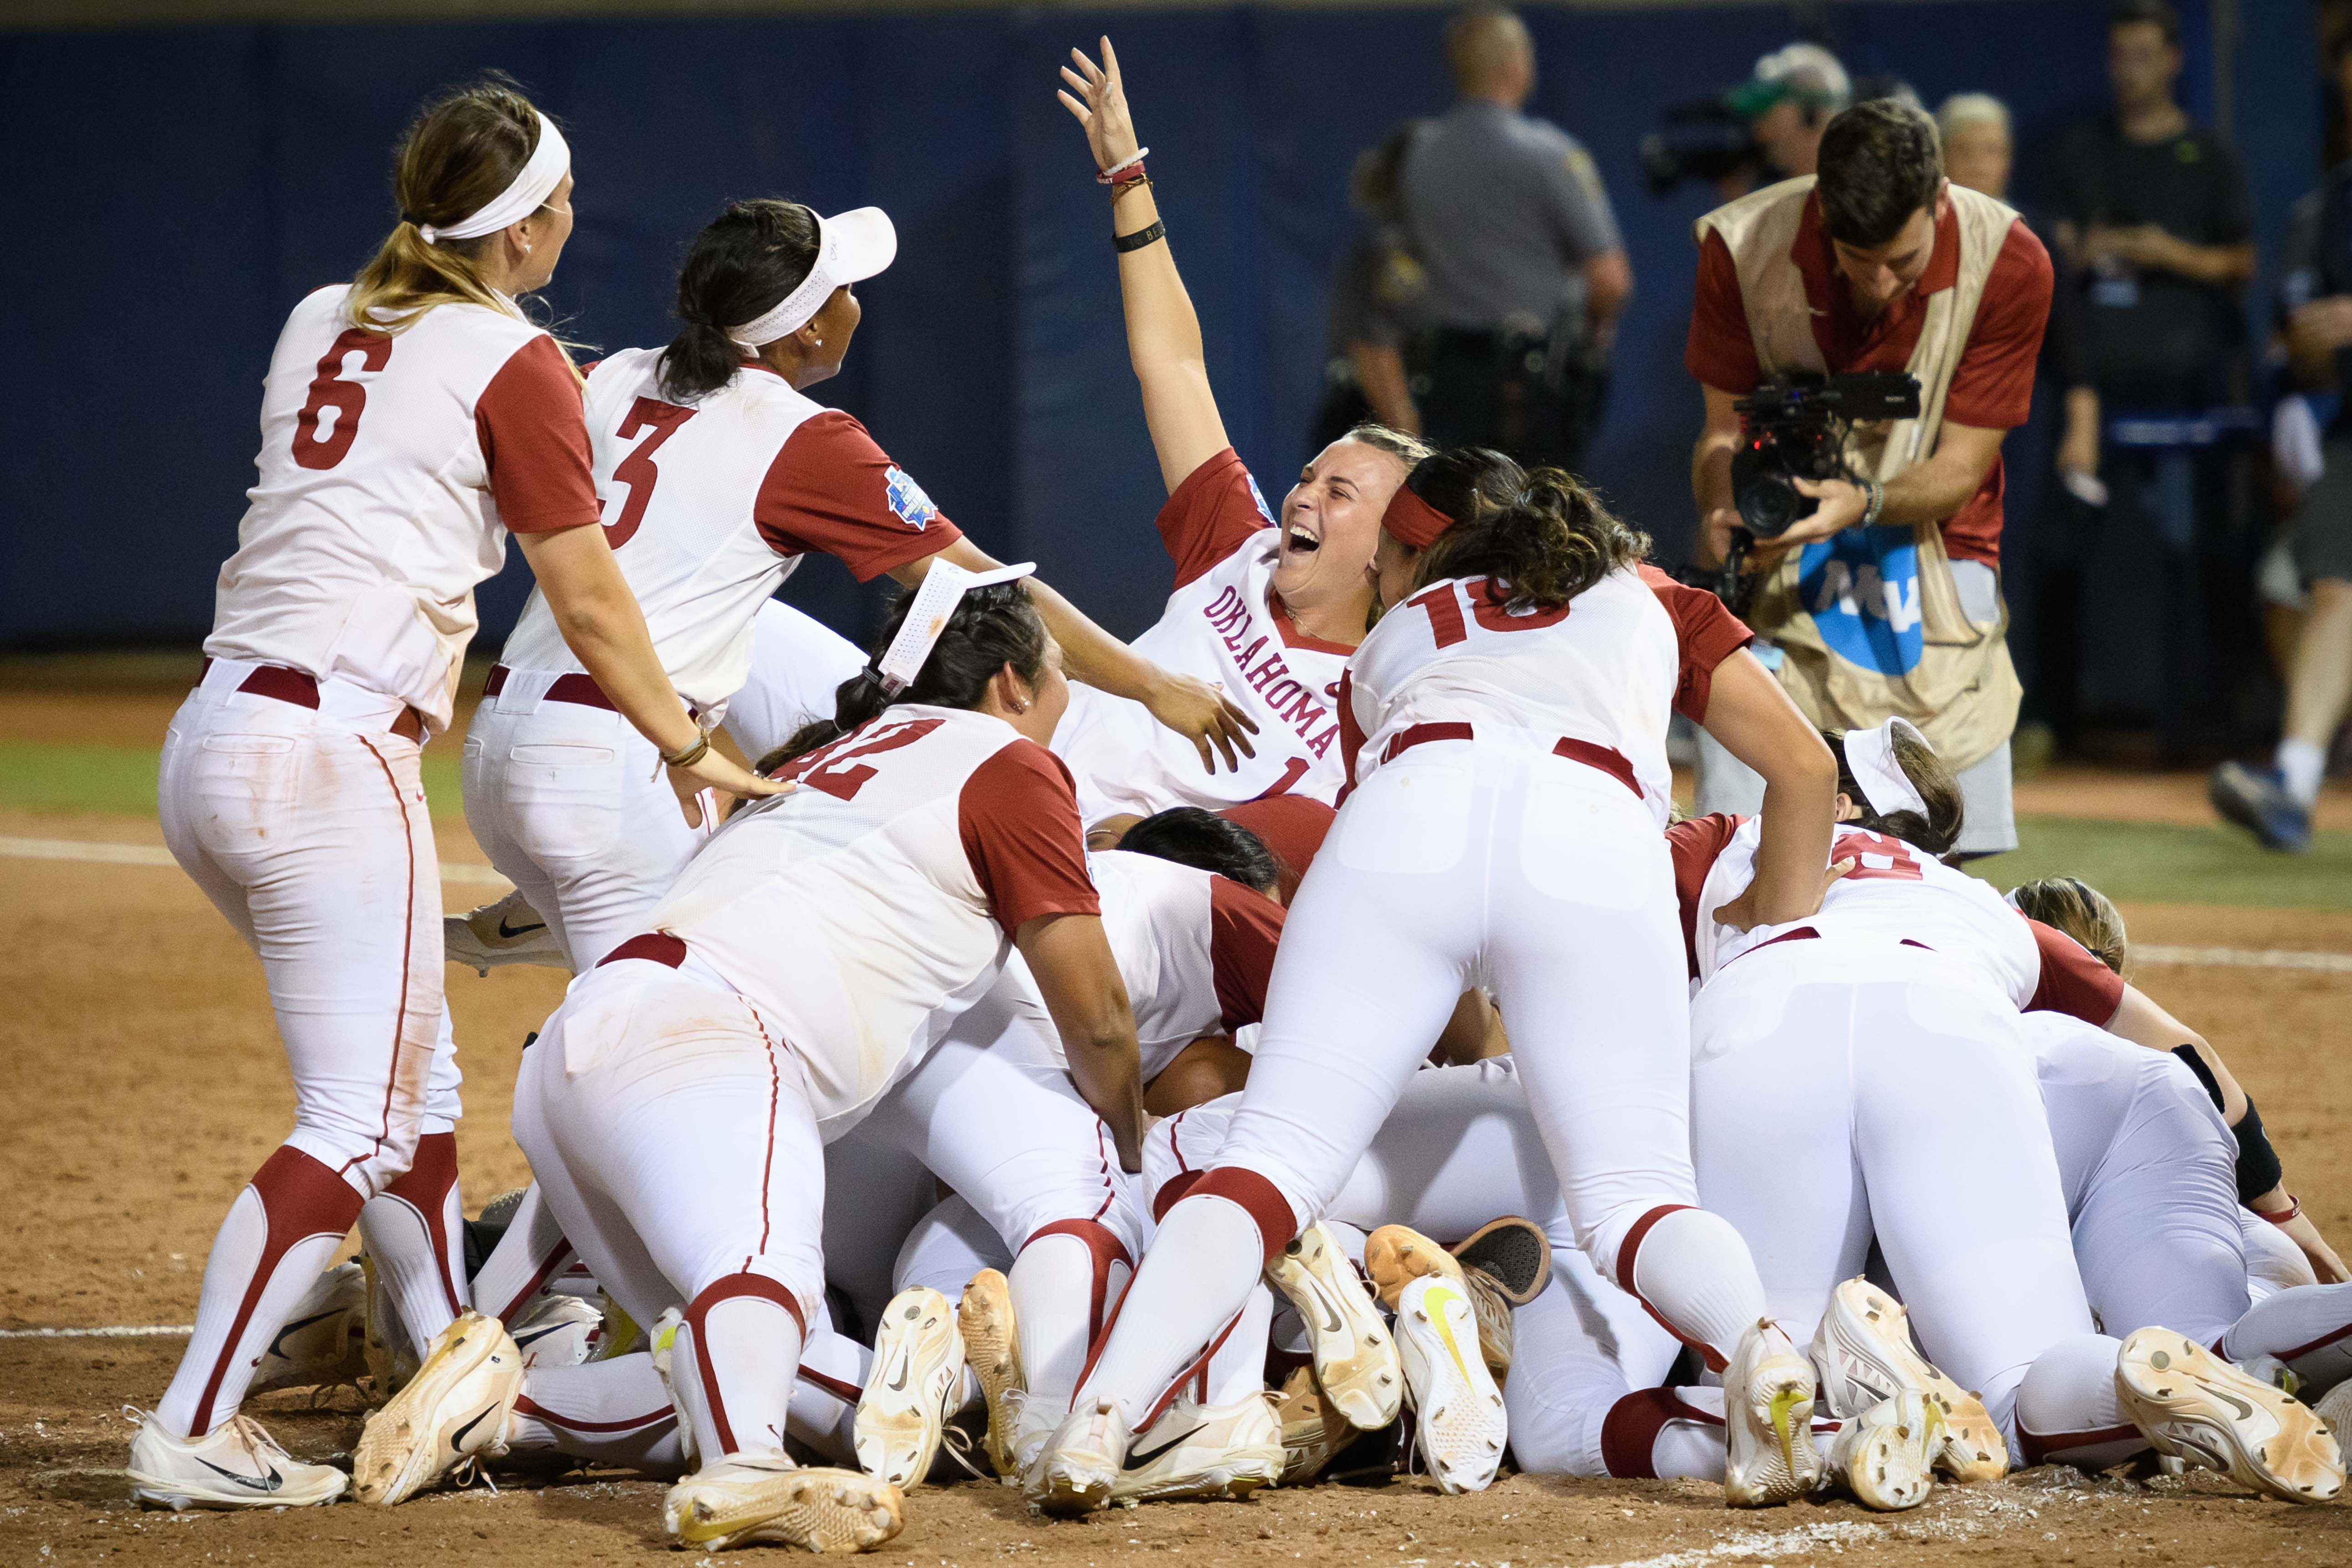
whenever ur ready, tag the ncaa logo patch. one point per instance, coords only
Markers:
(910, 505)
(1259, 497)
(1862, 588)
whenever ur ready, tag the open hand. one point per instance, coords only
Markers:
(1100, 104)
(715, 769)
(1205, 716)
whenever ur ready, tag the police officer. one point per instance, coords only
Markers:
(1526, 272)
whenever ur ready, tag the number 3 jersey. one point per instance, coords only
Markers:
(392, 465)
(862, 913)
(708, 506)
(1897, 894)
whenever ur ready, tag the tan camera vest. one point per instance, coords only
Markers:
(1963, 692)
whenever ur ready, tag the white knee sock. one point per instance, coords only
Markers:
(614, 1412)
(1236, 1367)
(1195, 1277)
(413, 1231)
(831, 1373)
(1693, 1270)
(1065, 1284)
(2309, 1327)
(2301, 766)
(525, 1260)
(734, 1366)
(2066, 1408)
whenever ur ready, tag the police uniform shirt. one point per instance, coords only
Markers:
(2155, 339)
(1499, 208)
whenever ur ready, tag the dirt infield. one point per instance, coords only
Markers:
(148, 1084)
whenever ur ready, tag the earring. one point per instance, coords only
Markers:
(820, 343)
(1021, 707)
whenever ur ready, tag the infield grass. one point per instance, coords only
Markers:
(37, 775)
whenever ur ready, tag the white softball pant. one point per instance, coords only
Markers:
(1841, 1086)
(573, 807)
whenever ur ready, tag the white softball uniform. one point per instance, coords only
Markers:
(797, 665)
(391, 466)
(1223, 625)
(708, 506)
(1502, 831)
(675, 1106)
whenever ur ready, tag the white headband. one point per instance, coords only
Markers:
(1870, 758)
(541, 174)
(944, 586)
(851, 247)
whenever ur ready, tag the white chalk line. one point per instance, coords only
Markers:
(111, 1332)
(156, 855)
(2242, 958)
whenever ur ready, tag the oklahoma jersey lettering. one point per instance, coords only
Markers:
(1896, 894)
(392, 465)
(1223, 625)
(863, 913)
(709, 506)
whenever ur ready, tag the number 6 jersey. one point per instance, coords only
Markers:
(391, 467)
(709, 505)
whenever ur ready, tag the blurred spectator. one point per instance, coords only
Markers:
(1526, 274)
(1976, 146)
(2152, 216)
(1377, 289)
(2316, 322)
(1794, 92)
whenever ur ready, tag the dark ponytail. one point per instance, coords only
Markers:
(1540, 548)
(1929, 775)
(992, 627)
(740, 267)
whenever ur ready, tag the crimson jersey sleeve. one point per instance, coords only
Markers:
(1718, 350)
(1695, 843)
(1705, 633)
(534, 434)
(1211, 514)
(1992, 386)
(2073, 981)
(1018, 814)
(1243, 927)
(833, 491)
(1291, 827)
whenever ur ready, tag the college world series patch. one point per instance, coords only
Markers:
(908, 501)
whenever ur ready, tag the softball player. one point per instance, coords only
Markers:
(1506, 735)
(1267, 608)
(677, 1107)
(410, 421)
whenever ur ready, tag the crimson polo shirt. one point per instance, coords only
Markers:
(1992, 386)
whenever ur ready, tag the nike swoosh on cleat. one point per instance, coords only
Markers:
(277, 1345)
(898, 1384)
(538, 1334)
(251, 1483)
(457, 1438)
(1330, 1310)
(1139, 1457)
(510, 933)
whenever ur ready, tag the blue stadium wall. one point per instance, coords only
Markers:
(174, 191)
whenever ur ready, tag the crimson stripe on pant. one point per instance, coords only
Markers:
(300, 1198)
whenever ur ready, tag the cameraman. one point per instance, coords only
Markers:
(1886, 599)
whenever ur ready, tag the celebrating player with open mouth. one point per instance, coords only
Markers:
(410, 421)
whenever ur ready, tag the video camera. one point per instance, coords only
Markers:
(1796, 429)
(1708, 140)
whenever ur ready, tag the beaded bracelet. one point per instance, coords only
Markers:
(1110, 175)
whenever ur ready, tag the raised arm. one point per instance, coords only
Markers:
(1163, 333)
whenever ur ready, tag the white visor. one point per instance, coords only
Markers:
(944, 586)
(1870, 758)
(548, 163)
(851, 247)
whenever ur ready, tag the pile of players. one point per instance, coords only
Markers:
(1036, 1076)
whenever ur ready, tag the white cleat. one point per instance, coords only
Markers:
(557, 1331)
(2196, 1406)
(1203, 1451)
(1887, 1455)
(991, 1344)
(1395, 1255)
(509, 932)
(2334, 1407)
(1075, 1471)
(1459, 1426)
(1355, 1359)
(1768, 1418)
(1866, 1354)
(456, 1408)
(239, 1465)
(1313, 1432)
(910, 1393)
(323, 1342)
(765, 1498)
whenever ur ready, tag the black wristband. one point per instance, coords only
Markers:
(1124, 243)
(2259, 1170)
